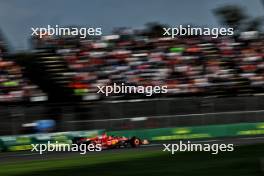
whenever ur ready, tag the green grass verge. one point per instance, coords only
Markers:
(244, 161)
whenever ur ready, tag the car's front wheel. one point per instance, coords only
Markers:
(135, 142)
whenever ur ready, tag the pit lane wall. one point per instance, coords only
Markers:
(23, 142)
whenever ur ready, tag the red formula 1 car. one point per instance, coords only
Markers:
(109, 142)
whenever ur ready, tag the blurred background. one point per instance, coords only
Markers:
(49, 85)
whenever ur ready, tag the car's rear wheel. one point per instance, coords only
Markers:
(77, 140)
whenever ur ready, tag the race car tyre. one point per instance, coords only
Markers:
(135, 142)
(80, 140)
(76, 140)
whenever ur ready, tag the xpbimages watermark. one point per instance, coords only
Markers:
(56, 30)
(59, 147)
(197, 31)
(197, 147)
(127, 89)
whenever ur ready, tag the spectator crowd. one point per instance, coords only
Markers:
(188, 66)
(13, 84)
(194, 65)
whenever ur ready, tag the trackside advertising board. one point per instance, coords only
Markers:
(23, 142)
(210, 131)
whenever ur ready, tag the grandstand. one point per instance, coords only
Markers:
(14, 86)
(189, 66)
(63, 74)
